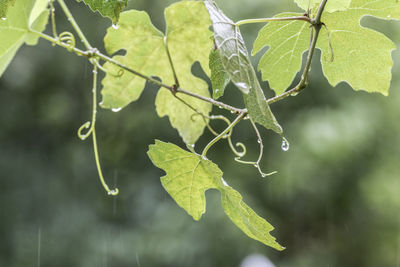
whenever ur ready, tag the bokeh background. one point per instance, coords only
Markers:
(334, 202)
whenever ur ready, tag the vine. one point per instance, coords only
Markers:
(223, 55)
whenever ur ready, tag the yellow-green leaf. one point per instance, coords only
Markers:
(362, 57)
(107, 8)
(189, 176)
(287, 40)
(187, 31)
(15, 30)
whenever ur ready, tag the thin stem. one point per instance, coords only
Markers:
(263, 20)
(212, 101)
(53, 20)
(74, 24)
(222, 134)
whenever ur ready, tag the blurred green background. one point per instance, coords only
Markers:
(334, 202)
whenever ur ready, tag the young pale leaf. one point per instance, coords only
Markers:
(362, 57)
(187, 31)
(107, 8)
(230, 45)
(15, 30)
(287, 40)
(331, 6)
(4, 6)
(187, 178)
(236, 62)
(219, 77)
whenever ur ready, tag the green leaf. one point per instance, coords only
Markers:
(107, 8)
(331, 6)
(24, 16)
(237, 64)
(230, 45)
(219, 77)
(287, 40)
(362, 57)
(187, 31)
(4, 6)
(189, 176)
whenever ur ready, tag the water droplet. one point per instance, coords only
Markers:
(216, 91)
(285, 144)
(115, 26)
(242, 85)
(389, 16)
(204, 157)
(3, 18)
(263, 175)
(259, 141)
(220, 107)
(116, 109)
(255, 165)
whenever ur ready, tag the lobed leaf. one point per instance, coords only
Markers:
(107, 8)
(189, 176)
(287, 41)
(361, 56)
(15, 30)
(146, 52)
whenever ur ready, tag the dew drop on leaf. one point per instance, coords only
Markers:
(3, 18)
(116, 109)
(115, 26)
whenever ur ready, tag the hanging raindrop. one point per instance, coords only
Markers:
(285, 144)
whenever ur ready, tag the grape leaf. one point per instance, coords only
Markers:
(187, 31)
(219, 77)
(107, 8)
(24, 16)
(331, 6)
(287, 40)
(4, 6)
(237, 64)
(189, 176)
(361, 56)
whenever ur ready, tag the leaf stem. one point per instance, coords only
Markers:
(74, 24)
(222, 134)
(263, 20)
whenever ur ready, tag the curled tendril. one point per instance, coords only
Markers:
(237, 153)
(67, 38)
(86, 125)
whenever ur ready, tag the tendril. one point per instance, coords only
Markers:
(67, 38)
(90, 126)
(256, 164)
(86, 125)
